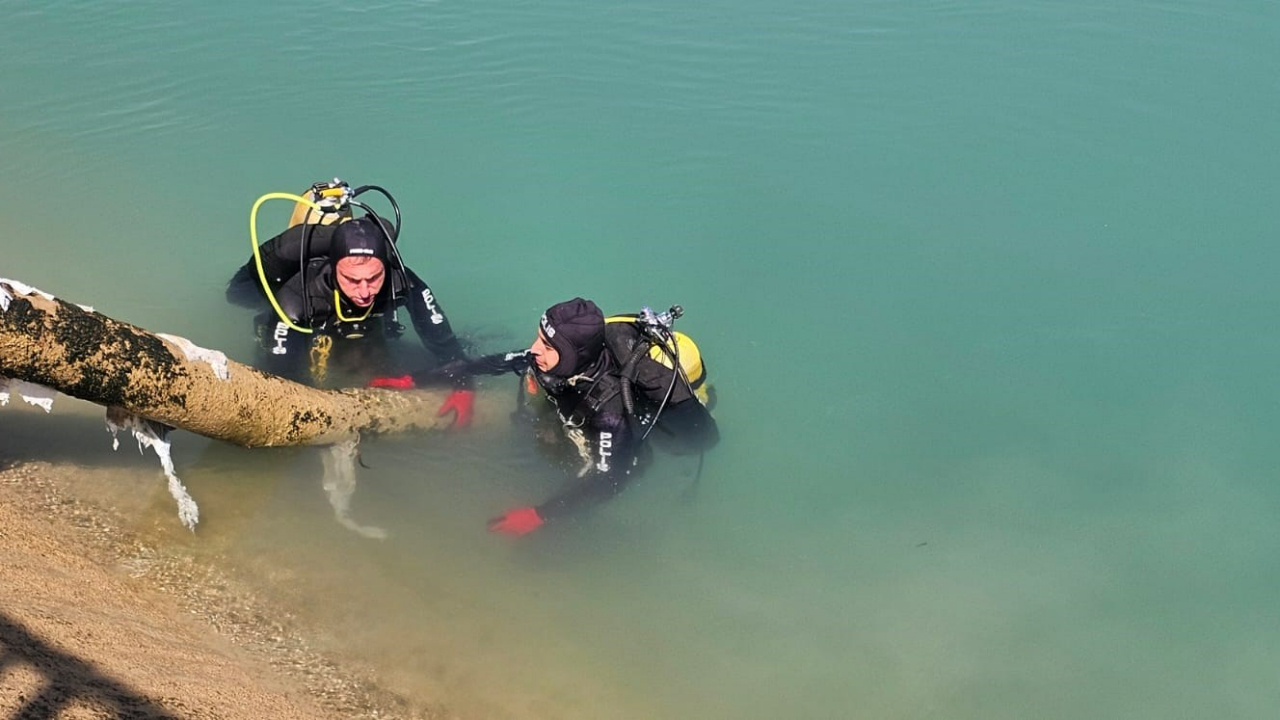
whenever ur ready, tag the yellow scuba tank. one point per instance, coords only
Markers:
(333, 199)
(686, 349)
(690, 362)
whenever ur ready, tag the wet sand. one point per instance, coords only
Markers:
(96, 623)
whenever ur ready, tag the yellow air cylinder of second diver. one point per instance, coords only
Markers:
(690, 362)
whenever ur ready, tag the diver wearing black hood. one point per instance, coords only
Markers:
(581, 362)
(350, 289)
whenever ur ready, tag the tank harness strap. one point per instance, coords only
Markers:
(602, 390)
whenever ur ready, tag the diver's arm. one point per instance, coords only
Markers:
(285, 351)
(430, 322)
(497, 364)
(613, 447)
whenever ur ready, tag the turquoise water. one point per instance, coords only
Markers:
(985, 288)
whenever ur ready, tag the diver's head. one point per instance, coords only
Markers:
(359, 256)
(570, 338)
(360, 278)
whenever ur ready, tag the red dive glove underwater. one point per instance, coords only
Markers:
(402, 382)
(461, 401)
(517, 522)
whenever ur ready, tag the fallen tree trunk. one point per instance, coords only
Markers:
(81, 353)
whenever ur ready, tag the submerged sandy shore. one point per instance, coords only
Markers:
(96, 624)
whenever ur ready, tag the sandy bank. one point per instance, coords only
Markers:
(94, 623)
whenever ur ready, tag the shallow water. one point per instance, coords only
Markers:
(985, 289)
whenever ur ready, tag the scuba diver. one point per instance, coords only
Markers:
(330, 287)
(612, 383)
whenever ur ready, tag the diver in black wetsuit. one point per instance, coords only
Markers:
(349, 290)
(610, 388)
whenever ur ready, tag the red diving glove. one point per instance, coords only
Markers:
(517, 522)
(461, 401)
(403, 382)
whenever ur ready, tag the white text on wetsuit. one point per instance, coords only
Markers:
(606, 445)
(430, 300)
(281, 334)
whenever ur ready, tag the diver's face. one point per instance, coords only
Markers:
(360, 279)
(544, 356)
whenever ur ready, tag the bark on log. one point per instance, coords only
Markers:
(90, 356)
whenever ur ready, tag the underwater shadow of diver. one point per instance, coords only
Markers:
(66, 680)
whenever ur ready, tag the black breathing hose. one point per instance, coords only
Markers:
(676, 372)
(391, 242)
(628, 368)
(669, 346)
(303, 261)
(379, 189)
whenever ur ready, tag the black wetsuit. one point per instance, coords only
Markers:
(329, 314)
(594, 416)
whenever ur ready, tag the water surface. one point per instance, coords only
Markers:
(986, 290)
